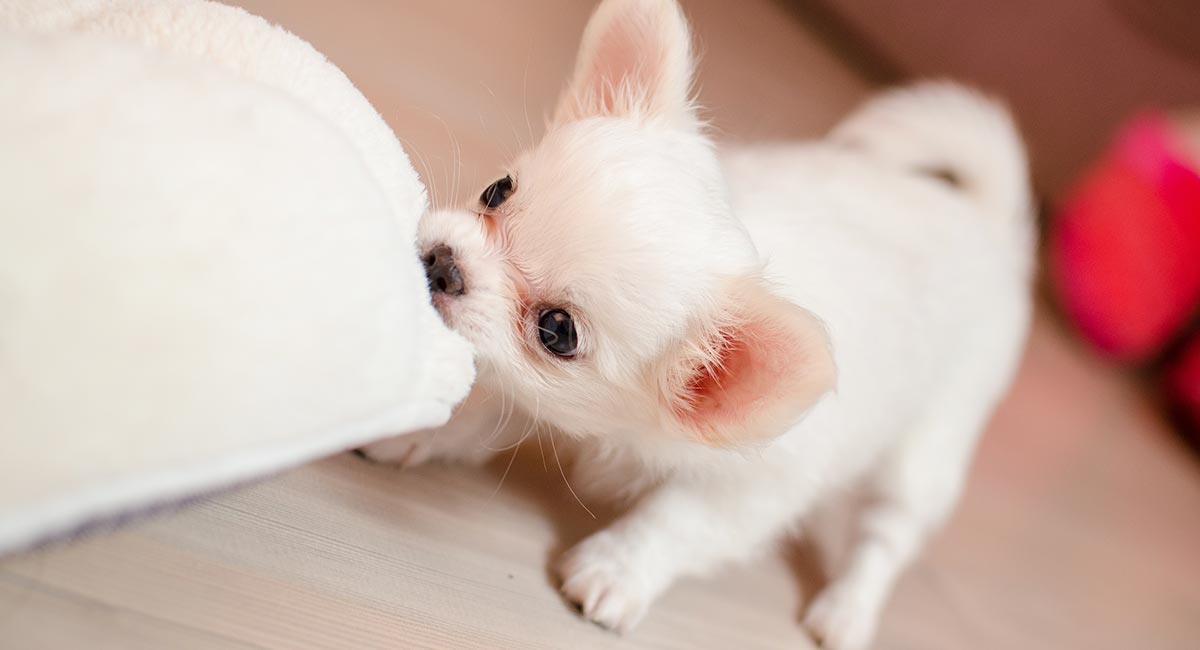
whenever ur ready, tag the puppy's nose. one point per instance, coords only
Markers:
(442, 272)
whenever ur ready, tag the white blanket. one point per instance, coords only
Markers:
(206, 264)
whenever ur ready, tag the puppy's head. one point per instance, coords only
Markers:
(604, 280)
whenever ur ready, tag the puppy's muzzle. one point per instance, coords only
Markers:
(442, 272)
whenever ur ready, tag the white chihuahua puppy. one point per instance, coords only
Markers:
(745, 343)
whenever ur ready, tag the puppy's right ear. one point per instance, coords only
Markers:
(635, 61)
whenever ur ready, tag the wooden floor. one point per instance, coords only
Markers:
(1080, 529)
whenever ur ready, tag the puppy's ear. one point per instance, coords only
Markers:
(752, 373)
(635, 60)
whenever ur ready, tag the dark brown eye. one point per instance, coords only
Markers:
(557, 332)
(497, 193)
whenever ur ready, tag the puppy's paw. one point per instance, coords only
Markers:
(447, 444)
(600, 576)
(841, 620)
(405, 451)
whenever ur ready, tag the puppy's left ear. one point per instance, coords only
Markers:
(635, 61)
(750, 375)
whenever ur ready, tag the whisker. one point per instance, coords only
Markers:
(564, 477)
(516, 134)
(510, 410)
(525, 98)
(529, 428)
(506, 470)
(508, 150)
(500, 424)
(521, 438)
(541, 451)
(427, 171)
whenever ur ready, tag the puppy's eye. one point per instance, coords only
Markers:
(557, 332)
(497, 193)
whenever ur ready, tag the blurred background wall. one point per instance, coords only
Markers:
(1071, 69)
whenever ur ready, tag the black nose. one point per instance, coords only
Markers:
(442, 272)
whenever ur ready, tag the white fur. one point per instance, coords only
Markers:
(205, 262)
(625, 214)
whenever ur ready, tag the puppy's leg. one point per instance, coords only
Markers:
(677, 529)
(481, 426)
(913, 492)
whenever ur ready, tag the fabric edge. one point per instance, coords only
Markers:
(27, 526)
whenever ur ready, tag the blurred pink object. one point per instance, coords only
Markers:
(1125, 251)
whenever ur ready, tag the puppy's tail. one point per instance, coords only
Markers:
(952, 133)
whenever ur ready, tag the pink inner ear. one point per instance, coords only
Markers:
(624, 60)
(743, 397)
(635, 61)
(753, 380)
(720, 389)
